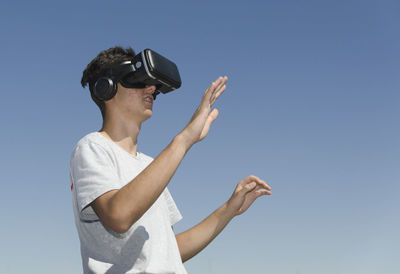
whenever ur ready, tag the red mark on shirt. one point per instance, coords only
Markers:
(72, 186)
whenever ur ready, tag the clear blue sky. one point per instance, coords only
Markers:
(312, 107)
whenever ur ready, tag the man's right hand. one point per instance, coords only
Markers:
(119, 209)
(198, 127)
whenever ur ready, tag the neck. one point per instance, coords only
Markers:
(122, 133)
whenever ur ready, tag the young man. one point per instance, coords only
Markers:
(123, 210)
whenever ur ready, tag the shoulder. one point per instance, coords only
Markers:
(94, 138)
(92, 143)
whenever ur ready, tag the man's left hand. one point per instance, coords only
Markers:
(246, 192)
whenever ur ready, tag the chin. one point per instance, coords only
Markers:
(148, 114)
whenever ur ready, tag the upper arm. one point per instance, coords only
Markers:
(103, 208)
(95, 181)
(101, 205)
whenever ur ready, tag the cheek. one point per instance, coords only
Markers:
(130, 97)
(134, 93)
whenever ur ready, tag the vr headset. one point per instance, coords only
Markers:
(146, 68)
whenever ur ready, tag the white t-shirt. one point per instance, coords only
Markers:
(98, 165)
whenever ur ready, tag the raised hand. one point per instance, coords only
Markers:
(199, 125)
(246, 192)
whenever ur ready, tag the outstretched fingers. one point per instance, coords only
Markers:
(217, 94)
(251, 182)
(220, 86)
(215, 90)
(220, 82)
(260, 191)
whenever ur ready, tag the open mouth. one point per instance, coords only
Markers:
(149, 99)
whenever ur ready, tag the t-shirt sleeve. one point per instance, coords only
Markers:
(173, 211)
(93, 173)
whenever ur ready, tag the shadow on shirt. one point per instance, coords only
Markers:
(130, 252)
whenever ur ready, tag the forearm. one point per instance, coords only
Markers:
(134, 199)
(197, 238)
(119, 209)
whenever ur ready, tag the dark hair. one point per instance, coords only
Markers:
(105, 59)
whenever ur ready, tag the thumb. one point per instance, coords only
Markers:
(211, 118)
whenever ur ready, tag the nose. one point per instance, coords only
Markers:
(150, 88)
